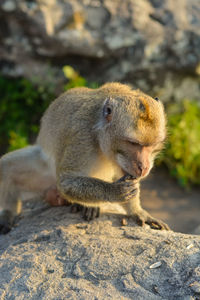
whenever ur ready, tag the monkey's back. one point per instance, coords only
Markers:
(60, 126)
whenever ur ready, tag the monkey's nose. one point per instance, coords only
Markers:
(142, 170)
(139, 169)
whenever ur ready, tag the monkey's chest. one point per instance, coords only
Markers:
(105, 169)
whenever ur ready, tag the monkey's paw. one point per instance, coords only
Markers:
(76, 208)
(143, 218)
(90, 213)
(125, 188)
(6, 221)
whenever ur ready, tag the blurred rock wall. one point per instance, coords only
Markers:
(152, 44)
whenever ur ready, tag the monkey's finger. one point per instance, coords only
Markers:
(95, 213)
(124, 184)
(79, 207)
(84, 211)
(128, 184)
(157, 224)
(125, 178)
(87, 213)
(76, 208)
(130, 194)
(140, 221)
(127, 187)
(121, 179)
(164, 226)
(129, 177)
(90, 213)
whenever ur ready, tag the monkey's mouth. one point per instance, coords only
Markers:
(127, 176)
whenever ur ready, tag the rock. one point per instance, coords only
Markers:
(52, 254)
(195, 287)
(9, 6)
(152, 44)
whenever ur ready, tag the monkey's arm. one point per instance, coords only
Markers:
(92, 192)
(74, 180)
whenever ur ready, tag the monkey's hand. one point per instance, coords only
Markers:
(92, 192)
(127, 188)
(143, 217)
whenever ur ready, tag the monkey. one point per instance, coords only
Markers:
(94, 147)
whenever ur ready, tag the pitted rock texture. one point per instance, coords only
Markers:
(52, 254)
(151, 44)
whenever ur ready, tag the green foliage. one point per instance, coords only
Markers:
(17, 141)
(21, 107)
(75, 80)
(182, 154)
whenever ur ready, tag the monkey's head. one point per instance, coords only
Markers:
(133, 129)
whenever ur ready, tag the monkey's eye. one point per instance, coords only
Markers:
(133, 143)
(107, 113)
(107, 109)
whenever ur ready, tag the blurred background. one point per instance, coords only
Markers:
(49, 46)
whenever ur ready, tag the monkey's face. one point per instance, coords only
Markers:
(136, 159)
(135, 131)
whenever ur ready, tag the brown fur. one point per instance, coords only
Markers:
(87, 138)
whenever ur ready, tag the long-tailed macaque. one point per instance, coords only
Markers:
(93, 147)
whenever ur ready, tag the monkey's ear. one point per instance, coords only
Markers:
(107, 110)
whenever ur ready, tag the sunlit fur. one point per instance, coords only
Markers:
(88, 139)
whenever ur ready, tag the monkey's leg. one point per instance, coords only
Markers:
(141, 216)
(10, 205)
(52, 197)
(24, 170)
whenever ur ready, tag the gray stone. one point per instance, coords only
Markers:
(195, 287)
(53, 254)
(9, 6)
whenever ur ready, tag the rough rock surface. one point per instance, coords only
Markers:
(153, 44)
(52, 254)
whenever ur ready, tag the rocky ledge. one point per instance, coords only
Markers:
(53, 254)
(152, 44)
